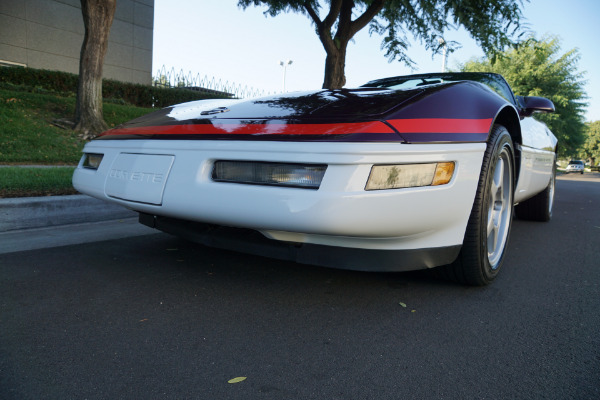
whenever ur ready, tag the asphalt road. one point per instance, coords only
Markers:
(154, 317)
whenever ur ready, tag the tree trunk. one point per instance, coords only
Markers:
(97, 18)
(335, 46)
(335, 65)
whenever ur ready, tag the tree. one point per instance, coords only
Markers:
(161, 81)
(537, 68)
(492, 23)
(591, 147)
(97, 18)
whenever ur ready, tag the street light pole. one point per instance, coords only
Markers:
(443, 43)
(284, 64)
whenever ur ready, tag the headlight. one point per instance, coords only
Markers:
(264, 173)
(409, 175)
(92, 160)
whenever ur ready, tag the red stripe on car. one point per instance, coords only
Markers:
(256, 129)
(441, 125)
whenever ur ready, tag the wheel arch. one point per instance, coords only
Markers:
(509, 118)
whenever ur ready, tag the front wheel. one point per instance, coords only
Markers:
(488, 229)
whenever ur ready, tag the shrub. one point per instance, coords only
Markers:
(38, 80)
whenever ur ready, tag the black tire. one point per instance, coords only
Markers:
(475, 264)
(539, 207)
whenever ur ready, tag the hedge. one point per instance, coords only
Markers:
(138, 95)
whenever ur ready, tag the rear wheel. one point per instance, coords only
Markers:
(539, 207)
(488, 229)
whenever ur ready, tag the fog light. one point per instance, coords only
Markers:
(92, 160)
(264, 173)
(409, 175)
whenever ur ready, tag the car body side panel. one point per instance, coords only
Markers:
(535, 172)
(537, 159)
(536, 135)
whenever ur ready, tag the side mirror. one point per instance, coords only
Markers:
(531, 104)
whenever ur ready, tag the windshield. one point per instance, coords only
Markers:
(493, 81)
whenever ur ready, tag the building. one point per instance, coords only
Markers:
(47, 34)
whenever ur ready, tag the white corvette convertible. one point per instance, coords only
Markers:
(404, 173)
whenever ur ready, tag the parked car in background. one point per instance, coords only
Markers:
(403, 173)
(575, 166)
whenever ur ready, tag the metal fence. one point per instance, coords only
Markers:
(171, 78)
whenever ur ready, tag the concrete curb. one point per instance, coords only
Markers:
(37, 212)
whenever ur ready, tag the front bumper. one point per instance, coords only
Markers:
(569, 170)
(252, 242)
(339, 214)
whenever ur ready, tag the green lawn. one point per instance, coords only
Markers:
(27, 135)
(27, 182)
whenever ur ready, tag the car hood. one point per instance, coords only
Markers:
(438, 113)
(345, 105)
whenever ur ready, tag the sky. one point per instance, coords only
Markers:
(216, 39)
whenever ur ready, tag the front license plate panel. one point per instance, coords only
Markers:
(139, 177)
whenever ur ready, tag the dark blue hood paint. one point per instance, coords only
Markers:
(462, 100)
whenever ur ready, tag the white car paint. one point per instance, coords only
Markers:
(193, 109)
(537, 159)
(340, 213)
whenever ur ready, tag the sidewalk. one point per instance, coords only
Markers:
(56, 236)
(37, 212)
(40, 212)
(31, 223)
